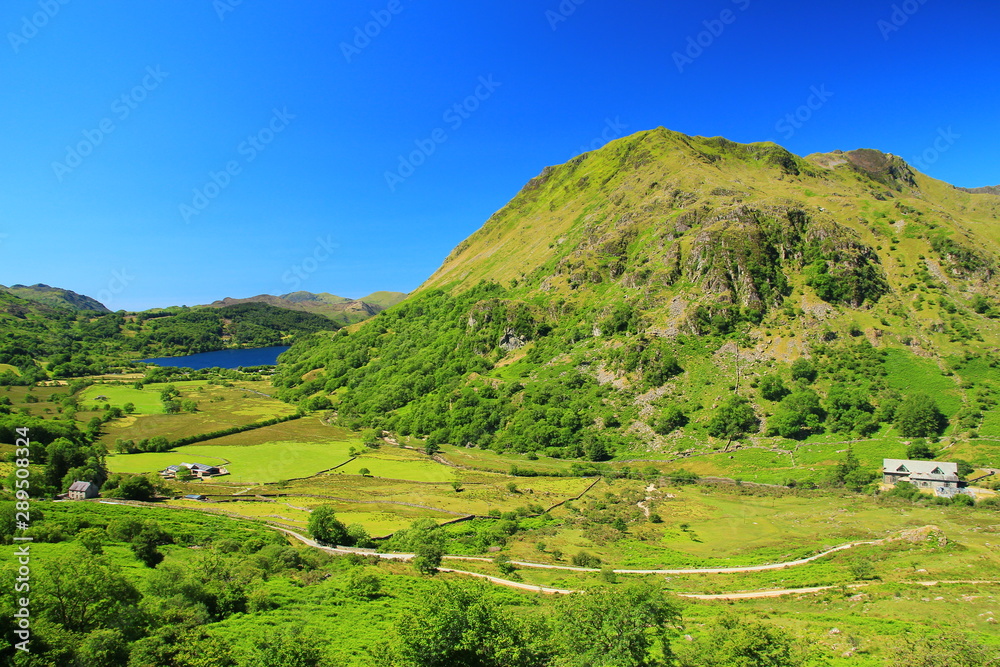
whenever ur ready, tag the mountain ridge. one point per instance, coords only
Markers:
(667, 274)
(340, 309)
(56, 297)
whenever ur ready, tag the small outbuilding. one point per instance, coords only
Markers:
(82, 490)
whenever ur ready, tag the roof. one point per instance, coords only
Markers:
(173, 468)
(199, 466)
(80, 486)
(930, 469)
(194, 496)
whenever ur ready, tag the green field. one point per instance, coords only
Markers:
(399, 464)
(256, 464)
(218, 408)
(146, 401)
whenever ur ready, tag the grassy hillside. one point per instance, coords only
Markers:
(679, 295)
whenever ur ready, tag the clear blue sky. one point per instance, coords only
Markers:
(182, 86)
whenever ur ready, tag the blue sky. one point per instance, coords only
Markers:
(168, 153)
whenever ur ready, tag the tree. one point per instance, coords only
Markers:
(919, 450)
(103, 648)
(848, 409)
(463, 625)
(772, 388)
(803, 370)
(614, 627)
(129, 408)
(427, 558)
(92, 539)
(920, 417)
(144, 544)
(83, 592)
(798, 415)
(364, 472)
(370, 438)
(734, 419)
(325, 527)
(502, 561)
(135, 487)
(744, 642)
(670, 419)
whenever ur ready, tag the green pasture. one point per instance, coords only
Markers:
(399, 464)
(270, 462)
(911, 374)
(486, 459)
(146, 401)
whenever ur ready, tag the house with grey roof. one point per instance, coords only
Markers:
(921, 474)
(82, 490)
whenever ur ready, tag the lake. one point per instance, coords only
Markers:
(261, 356)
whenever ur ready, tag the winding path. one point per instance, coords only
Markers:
(740, 595)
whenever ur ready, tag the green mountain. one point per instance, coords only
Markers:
(339, 309)
(674, 293)
(56, 297)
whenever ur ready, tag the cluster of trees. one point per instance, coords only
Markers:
(60, 454)
(857, 401)
(421, 354)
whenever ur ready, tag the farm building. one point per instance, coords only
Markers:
(82, 491)
(922, 474)
(195, 496)
(199, 470)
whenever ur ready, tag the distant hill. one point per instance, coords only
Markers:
(987, 190)
(337, 308)
(56, 297)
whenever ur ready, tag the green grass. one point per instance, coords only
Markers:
(146, 401)
(911, 374)
(485, 459)
(256, 464)
(393, 466)
(218, 408)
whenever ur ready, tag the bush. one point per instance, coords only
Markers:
(584, 559)
(670, 419)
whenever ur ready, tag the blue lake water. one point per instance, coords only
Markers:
(261, 356)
